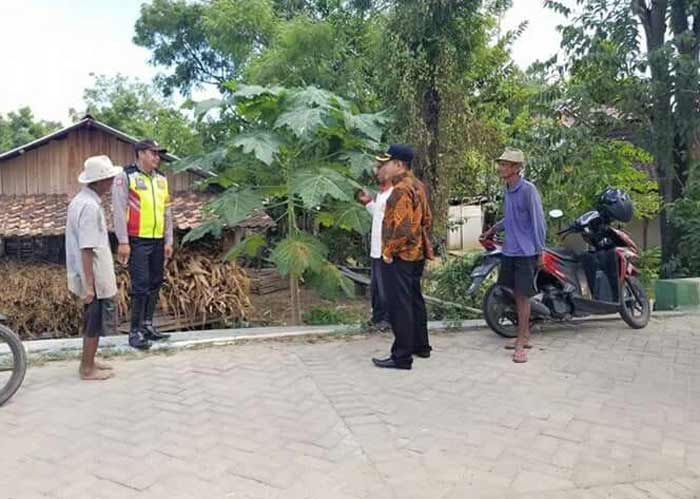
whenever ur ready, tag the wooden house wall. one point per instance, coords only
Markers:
(53, 168)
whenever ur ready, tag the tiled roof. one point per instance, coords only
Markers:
(45, 214)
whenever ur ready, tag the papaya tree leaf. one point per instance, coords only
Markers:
(326, 219)
(208, 162)
(371, 125)
(212, 227)
(234, 205)
(301, 121)
(353, 217)
(263, 145)
(312, 97)
(250, 246)
(313, 186)
(361, 164)
(298, 254)
(330, 283)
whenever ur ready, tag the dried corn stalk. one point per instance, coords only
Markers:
(36, 300)
(197, 288)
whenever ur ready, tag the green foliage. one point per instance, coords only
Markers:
(345, 246)
(299, 253)
(174, 32)
(239, 28)
(571, 167)
(350, 217)
(291, 157)
(294, 43)
(20, 127)
(649, 265)
(137, 109)
(329, 52)
(450, 282)
(249, 247)
(329, 282)
(326, 316)
(686, 217)
(435, 56)
(315, 185)
(657, 86)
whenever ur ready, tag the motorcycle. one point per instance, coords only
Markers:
(13, 362)
(600, 281)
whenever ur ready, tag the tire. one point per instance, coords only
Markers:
(635, 309)
(19, 363)
(500, 314)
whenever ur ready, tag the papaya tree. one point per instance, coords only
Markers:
(296, 154)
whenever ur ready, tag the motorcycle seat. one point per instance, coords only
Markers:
(564, 254)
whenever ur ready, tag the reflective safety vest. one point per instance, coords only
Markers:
(148, 198)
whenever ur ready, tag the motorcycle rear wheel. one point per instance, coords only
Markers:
(500, 313)
(634, 309)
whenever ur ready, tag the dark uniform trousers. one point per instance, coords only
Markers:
(146, 265)
(146, 270)
(407, 313)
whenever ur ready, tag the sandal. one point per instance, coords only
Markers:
(511, 346)
(520, 356)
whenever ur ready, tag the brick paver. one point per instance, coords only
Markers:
(600, 411)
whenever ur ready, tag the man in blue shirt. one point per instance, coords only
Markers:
(526, 230)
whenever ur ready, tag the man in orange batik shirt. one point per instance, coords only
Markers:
(405, 247)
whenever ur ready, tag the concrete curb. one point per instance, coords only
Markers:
(217, 337)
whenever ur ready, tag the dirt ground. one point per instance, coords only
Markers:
(274, 308)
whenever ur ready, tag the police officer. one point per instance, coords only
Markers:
(144, 228)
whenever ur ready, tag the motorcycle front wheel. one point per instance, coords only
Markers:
(634, 309)
(500, 313)
(13, 363)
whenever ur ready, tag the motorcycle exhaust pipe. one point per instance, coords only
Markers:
(539, 309)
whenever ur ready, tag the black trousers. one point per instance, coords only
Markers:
(146, 265)
(407, 313)
(380, 312)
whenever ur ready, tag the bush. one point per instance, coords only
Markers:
(450, 282)
(685, 216)
(323, 316)
(649, 265)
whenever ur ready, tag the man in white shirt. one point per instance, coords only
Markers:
(89, 261)
(376, 207)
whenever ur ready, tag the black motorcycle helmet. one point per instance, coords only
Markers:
(616, 204)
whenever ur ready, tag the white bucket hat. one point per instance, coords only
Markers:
(98, 168)
(512, 156)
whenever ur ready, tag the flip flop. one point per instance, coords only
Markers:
(520, 356)
(511, 346)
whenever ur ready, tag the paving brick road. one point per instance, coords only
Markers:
(600, 411)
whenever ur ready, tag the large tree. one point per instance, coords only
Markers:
(425, 61)
(19, 127)
(286, 42)
(136, 108)
(428, 53)
(667, 65)
(203, 42)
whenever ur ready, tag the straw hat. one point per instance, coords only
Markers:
(512, 156)
(98, 168)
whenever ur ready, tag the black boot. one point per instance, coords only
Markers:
(137, 338)
(151, 332)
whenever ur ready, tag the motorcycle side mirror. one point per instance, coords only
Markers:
(556, 214)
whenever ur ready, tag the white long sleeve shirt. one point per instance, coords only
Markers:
(376, 208)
